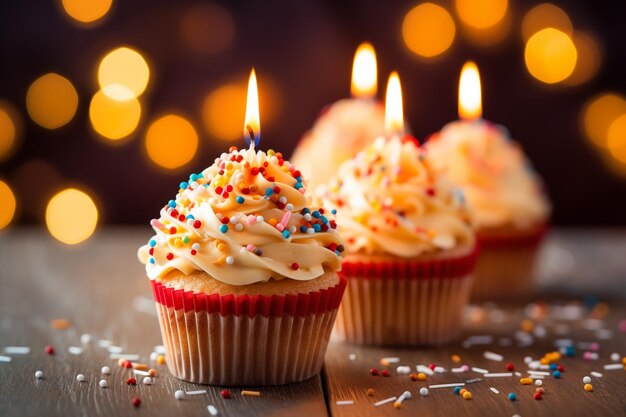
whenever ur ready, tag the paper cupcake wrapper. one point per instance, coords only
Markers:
(246, 341)
(405, 303)
(506, 266)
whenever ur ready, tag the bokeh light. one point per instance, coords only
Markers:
(171, 141)
(71, 216)
(428, 30)
(7, 204)
(112, 119)
(207, 28)
(616, 139)
(545, 15)
(9, 129)
(550, 55)
(86, 11)
(364, 81)
(481, 14)
(589, 59)
(40, 175)
(51, 101)
(598, 114)
(224, 108)
(123, 74)
(490, 36)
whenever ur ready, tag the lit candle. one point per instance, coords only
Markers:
(252, 122)
(364, 72)
(394, 118)
(470, 95)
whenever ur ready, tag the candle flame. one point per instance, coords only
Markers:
(394, 117)
(470, 96)
(252, 123)
(364, 81)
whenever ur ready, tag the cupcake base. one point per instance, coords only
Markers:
(506, 266)
(405, 303)
(246, 340)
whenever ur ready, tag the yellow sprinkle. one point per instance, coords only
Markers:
(272, 222)
(178, 242)
(251, 393)
(526, 381)
(271, 152)
(160, 360)
(152, 372)
(588, 387)
(462, 391)
(467, 395)
(384, 362)
(221, 247)
(140, 366)
(370, 392)
(527, 325)
(421, 376)
(60, 324)
(456, 358)
(397, 405)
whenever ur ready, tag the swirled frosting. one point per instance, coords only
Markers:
(390, 201)
(501, 188)
(345, 127)
(245, 219)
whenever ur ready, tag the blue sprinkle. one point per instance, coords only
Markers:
(269, 192)
(556, 374)
(190, 216)
(193, 177)
(317, 227)
(553, 366)
(152, 243)
(286, 234)
(171, 203)
(512, 396)
(224, 228)
(334, 211)
(240, 199)
(570, 351)
(152, 261)
(324, 219)
(457, 390)
(298, 186)
(183, 185)
(305, 210)
(299, 179)
(316, 214)
(303, 229)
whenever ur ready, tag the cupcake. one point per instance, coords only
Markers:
(345, 126)
(244, 274)
(410, 248)
(509, 208)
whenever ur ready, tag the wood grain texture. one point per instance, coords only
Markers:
(101, 288)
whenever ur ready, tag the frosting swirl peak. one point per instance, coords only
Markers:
(245, 219)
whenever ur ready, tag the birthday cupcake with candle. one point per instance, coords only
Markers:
(410, 247)
(244, 271)
(509, 207)
(345, 126)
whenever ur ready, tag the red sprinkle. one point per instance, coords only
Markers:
(295, 266)
(245, 190)
(194, 252)
(430, 191)
(197, 224)
(136, 401)
(560, 368)
(374, 371)
(174, 213)
(432, 366)
(170, 256)
(127, 365)
(49, 350)
(173, 230)
(254, 171)
(225, 393)
(537, 396)
(151, 251)
(385, 373)
(225, 220)
(271, 179)
(181, 217)
(510, 367)
(276, 190)
(131, 381)
(229, 188)
(219, 190)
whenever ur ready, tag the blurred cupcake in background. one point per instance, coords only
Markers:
(345, 126)
(410, 247)
(510, 210)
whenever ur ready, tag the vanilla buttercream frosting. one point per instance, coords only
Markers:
(501, 188)
(244, 219)
(345, 127)
(391, 202)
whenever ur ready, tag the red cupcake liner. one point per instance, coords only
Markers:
(296, 305)
(456, 267)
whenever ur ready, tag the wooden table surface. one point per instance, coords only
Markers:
(101, 289)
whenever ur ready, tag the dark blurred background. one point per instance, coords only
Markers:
(199, 54)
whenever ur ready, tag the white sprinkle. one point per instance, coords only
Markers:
(498, 374)
(352, 356)
(459, 370)
(17, 350)
(538, 382)
(586, 379)
(596, 374)
(139, 372)
(403, 370)
(613, 366)
(424, 369)
(179, 394)
(440, 369)
(127, 356)
(197, 392)
(477, 340)
(39, 375)
(103, 343)
(260, 219)
(456, 384)
(80, 378)
(153, 356)
(386, 401)
(307, 217)
(230, 260)
(563, 342)
(528, 360)
(536, 376)
(105, 370)
(534, 364)
(493, 356)
(103, 383)
(239, 227)
(518, 373)
(147, 381)
(212, 410)
(480, 370)
(494, 390)
(195, 246)
(5, 359)
(344, 402)
(615, 357)
(538, 373)
(471, 381)
(75, 350)
(289, 207)
(160, 349)
(393, 359)
(85, 338)
(115, 349)
(424, 391)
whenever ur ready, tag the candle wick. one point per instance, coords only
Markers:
(252, 139)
